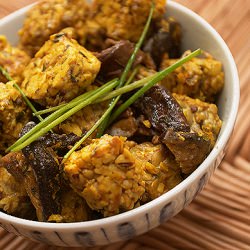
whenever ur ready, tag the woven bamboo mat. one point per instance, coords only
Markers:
(219, 218)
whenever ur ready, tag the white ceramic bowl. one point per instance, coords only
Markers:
(197, 33)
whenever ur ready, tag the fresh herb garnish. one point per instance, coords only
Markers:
(125, 73)
(61, 115)
(100, 121)
(99, 95)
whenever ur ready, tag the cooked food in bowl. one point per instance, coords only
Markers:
(120, 116)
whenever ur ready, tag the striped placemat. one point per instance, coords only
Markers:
(219, 218)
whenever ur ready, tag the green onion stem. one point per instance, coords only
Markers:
(132, 76)
(77, 100)
(112, 104)
(159, 76)
(59, 116)
(49, 110)
(137, 48)
(114, 93)
(126, 89)
(125, 73)
(27, 101)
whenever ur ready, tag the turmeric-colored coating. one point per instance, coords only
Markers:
(13, 197)
(60, 71)
(13, 60)
(200, 78)
(120, 20)
(83, 120)
(202, 117)
(73, 208)
(14, 114)
(49, 17)
(113, 175)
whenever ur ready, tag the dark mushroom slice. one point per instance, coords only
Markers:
(40, 171)
(167, 118)
(14, 199)
(162, 110)
(189, 148)
(115, 58)
(167, 40)
(59, 143)
(43, 175)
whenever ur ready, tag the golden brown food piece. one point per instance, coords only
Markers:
(114, 175)
(49, 17)
(14, 114)
(200, 78)
(166, 171)
(60, 71)
(13, 197)
(202, 117)
(13, 60)
(104, 174)
(119, 19)
(74, 208)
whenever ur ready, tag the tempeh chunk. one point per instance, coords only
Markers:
(13, 60)
(14, 114)
(115, 175)
(200, 78)
(60, 71)
(49, 17)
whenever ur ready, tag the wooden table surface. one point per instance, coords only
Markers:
(219, 217)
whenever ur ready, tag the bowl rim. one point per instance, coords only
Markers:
(201, 169)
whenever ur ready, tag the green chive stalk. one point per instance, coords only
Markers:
(100, 95)
(153, 80)
(59, 116)
(125, 73)
(112, 104)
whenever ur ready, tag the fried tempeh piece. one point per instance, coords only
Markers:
(200, 78)
(202, 117)
(83, 120)
(13, 60)
(119, 20)
(14, 114)
(13, 196)
(60, 71)
(115, 175)
(49, 17)
(74, 208)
